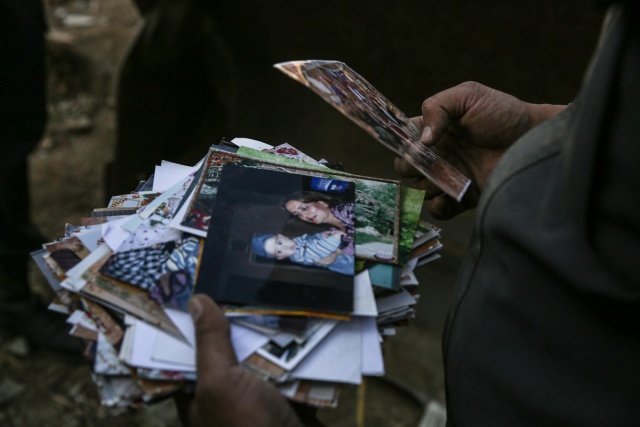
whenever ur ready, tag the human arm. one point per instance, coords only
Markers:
(226, 394)
(471, 126)
(333, 232)
(331, 240)
(323, 262)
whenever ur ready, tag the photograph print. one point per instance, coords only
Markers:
(357, 99)
(280, 240)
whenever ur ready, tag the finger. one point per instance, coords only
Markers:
(426, 129)
(444, 207)
(417, 121)
(442, 108)
(214, 352)
(421, 182)
(404, 168)
(430, 189)
(435, 119)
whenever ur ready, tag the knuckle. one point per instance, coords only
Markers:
(470, 85)
(427, 104)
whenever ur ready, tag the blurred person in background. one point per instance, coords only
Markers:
(174, 92)
(23, 117)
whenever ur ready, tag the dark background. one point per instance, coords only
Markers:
(535, 50)
(205, 70)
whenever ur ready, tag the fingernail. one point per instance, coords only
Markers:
(436, 209)
(426, 134)
(195, 308)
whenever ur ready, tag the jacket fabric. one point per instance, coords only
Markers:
(545, 326)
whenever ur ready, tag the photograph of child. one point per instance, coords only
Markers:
(320, 249)
(257, 253)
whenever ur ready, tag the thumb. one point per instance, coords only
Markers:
(214, 352)
(447, 106)
(435, 119)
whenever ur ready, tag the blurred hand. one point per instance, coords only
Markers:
(226, 394)
(333, 232)
(470, 126)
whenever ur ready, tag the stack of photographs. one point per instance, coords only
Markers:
(313, 266)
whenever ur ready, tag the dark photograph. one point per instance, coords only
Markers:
(280, 240)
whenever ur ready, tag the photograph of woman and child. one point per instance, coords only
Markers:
(332, 248)
(276, 234)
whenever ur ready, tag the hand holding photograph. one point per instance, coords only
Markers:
(357, 99)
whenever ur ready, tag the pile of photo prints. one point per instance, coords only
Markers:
(313, 267)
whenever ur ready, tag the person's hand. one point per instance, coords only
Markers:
(226, 394)
(470, 126)
(333, 232)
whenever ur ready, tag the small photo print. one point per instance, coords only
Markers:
(357, 99)
(281, 240)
